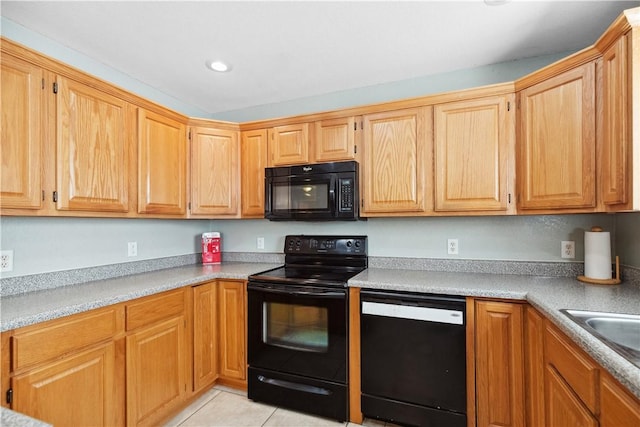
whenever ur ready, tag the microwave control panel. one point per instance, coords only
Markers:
(346, 195)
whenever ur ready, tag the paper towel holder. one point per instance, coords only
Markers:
(613, 281)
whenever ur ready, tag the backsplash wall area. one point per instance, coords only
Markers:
(43, 245)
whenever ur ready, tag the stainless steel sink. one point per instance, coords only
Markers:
(621, 332)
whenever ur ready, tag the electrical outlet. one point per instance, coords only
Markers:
(568, 249)
(452, 246)
(132, 249)
(260, 243)
(6, 261)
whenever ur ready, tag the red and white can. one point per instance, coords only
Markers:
(211, 248)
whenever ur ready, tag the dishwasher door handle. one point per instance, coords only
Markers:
(412, 312)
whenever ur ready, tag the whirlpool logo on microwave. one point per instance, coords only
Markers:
(307, 168)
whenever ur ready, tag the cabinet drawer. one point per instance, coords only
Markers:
(154, 308)
(575, 367)
(45, 341)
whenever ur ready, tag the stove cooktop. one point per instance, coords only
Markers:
(318, 260)
(308, 275)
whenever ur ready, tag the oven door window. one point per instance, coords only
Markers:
(297, 327)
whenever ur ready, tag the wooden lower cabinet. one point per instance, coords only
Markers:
(205, 336)
(232, 332)
(499, 364)
(564, 408)
(618, 408)
(78, 390)
(156, 357)
(68, 371)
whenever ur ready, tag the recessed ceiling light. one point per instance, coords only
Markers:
(218, 66)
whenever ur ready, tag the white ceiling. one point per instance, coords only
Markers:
(281, 51)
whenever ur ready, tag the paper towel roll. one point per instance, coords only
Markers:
(597, 255)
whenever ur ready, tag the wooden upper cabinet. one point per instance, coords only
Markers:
(254, 156)
(21, 182)
(215, 171)
(397, 148)
(93, 147)
(162, 161)
(615, 177)
(335, 140)
(473, 145)
(289, 144)
(556, 165)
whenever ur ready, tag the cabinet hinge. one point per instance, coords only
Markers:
(10, 396)
(509, 198)
(55, 87)
(55, 197)
(189, 135)
(43, 195)
(189, 205)
(355, 125)
(42, 83)
(508, 105)
(355, 149)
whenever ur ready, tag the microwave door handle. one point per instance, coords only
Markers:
(332, 194)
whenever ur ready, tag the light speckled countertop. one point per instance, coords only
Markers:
(34, 307)
(547, 294)
(9, 418)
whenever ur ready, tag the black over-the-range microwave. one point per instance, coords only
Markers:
(313, 192)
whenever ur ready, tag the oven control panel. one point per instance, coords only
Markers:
(335, 245)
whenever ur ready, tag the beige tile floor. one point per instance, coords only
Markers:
(227, 407)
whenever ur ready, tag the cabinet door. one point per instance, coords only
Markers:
(232, 315)
(205, 338)
(254, 156)
(21, 139)
(289, 144)
(615, 158)
(161, 165)
(473, 144)
(214, 171)
(563, 406)
(556, 168)
(156, 371)
(335, 139)
(396, 161)
(93, 131)
(78, 390)
(618, 408)
(534, 367)
(499, 364)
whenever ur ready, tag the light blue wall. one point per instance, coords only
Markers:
(426, 85)
(35, 41)
(54, 244)
(520, 238)
(628, 238)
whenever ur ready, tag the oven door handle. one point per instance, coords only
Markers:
(284, 290)
(294, 386)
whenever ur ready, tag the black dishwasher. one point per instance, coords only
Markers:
(413, 360)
